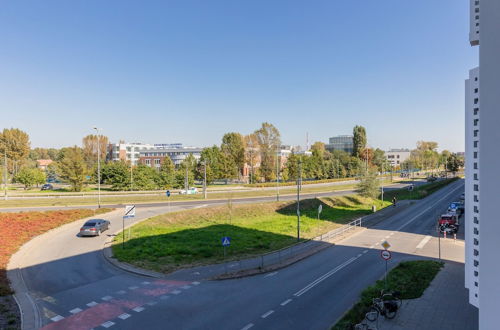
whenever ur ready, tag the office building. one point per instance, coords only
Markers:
(154, 157)
(396, 157)
(341, 142)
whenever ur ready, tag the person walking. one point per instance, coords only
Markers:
(394, 200)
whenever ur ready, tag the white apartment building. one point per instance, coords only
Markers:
(397, 156)
(483, 161)
(127, 151)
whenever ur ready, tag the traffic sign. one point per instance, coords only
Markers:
(320, 208)
(386, 245)
(226, 241)
(167, 193)
(386, 255)
(129, 211)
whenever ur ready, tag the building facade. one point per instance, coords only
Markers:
(396, 157)
(341, 142)
(129, 152)
(483, 161)
(154, 157)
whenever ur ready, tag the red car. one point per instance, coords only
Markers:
(449, 223)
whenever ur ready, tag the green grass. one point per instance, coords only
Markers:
(418, 192)
(411, 278)
(193, 237)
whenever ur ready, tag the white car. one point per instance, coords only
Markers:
(190, 191)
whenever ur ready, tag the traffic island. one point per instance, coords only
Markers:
(410, 278)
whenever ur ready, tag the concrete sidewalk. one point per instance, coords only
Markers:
(444, 305)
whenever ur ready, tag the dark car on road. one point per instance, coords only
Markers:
(47, 186)
(94, 227)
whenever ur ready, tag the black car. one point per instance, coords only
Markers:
(47, 186)
(94, 227)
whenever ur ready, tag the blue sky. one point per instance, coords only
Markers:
(189, 71)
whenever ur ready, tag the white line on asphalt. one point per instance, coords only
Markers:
(195, 283)
(232, 265)
(271, 274)
(285, 302)
(92, 304)
(322, 278)
(151, 303)
(145, 283)
(124, 316)
(121, 292)
(248, 326)
(107, 298)
(267, 314)
(57, 318)
(185, 287)
(427, 209)
(138, 309)
(365, 251)
(176, 292)
(359, 255)
(423, 242)
(75, 310)
(108, 324)
(133, 287)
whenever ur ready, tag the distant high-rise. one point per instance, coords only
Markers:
(341, 142)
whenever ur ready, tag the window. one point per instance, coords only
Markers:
(476, 210)
(476, 220)
(476, 100)
(475, 154)
(148, 161)
(476, 121)
(475, 176)
(476, 263)
(476, 90)
(157, 161)
(476, 242)
(475, 166)
(476, 143)
(476, 199)
(476, 273)
(476, 232)
(475, 79)
(476, 284)
(476, 10)
(476, 132)
(476, 111)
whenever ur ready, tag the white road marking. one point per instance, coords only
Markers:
(133, 287)
(322, 278)
(151, 303)
(57, 318)
(271, 274)
(359, 255)
(185, 287)
(92, 304)
(248, 326)
(176, 292)
(145, 283)
(232, 265)
(124, 316)
(424, 241)
(138, 309)
(76, 310)
(108, 324)
(371, 247)
(107, 298)
(195, 283)
(365, 251)
(427, 209)
(286, 302)
(267, 314)
(121, 292)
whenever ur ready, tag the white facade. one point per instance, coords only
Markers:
(127, 151)
(472, 186)
(488, 160)
(397, 156)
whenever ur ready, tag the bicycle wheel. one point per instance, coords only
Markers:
(372, 314)
(390, 314)
(398, 301)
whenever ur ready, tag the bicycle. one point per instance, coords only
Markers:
(364, 326)
(387, 305)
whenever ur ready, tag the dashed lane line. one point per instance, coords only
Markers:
(57, 318)
(75, 310)
(424, 241)
(124, 316)
(271, 274)
(92, 304)
(138, 309)
(286, 302)
(267, 314)
(107, 324)
(106, 298)
(248, 326)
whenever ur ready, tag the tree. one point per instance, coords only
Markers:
(116, 174)
(30, 177)
(212, 158)
(269, 141)
(251, 154)
(90, 143)
(166, 174)
(233, 148)
(369, 185)
(454, 163)
(145, 177)
(72, 167)
(359, 140)
(16, 144)
(379, 160)
(425, 156)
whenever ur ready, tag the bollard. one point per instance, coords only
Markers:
(455, 236)
(444, 233)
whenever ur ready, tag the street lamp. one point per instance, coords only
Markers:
(277, 175)
(299, 183)
(204, 163)
(98, 169)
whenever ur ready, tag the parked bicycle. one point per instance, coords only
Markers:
(387, 305)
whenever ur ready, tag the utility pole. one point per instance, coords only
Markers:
(277, 176)
(299, 183)
(98, 169)
(186, 180)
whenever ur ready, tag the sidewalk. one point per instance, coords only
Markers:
(444, 305)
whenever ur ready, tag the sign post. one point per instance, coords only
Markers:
(320, 208)
(168, 198)
(386, 255)
(226, 241)
(129, 213)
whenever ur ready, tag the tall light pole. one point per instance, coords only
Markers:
(299, 183)
(277, 175)
(131, 176)
(98, 169)
(204, 179)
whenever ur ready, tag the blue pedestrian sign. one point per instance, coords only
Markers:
(168, 193)
(226, 241)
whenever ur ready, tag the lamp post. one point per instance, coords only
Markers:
(299, 183)
(204, 163)
(98, 169)
(277, 175)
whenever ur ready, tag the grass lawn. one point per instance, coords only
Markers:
(170, 241)
(418, 192)
(411, 278)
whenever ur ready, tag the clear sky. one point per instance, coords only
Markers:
(189, 71)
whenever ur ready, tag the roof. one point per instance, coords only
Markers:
(44, 162)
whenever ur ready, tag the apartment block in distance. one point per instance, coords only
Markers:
(397, 156)
(341, 142)
(482, 192)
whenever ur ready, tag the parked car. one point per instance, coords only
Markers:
(457, 207)
(94, 227)
(448, 222)
(190, 191)
(462, 197)
(47, 186)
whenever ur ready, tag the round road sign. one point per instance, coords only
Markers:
(386, 255)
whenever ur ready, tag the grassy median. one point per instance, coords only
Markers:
(411, 278)
(418, 192)
(187, 238)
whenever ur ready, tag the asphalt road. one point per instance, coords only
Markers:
(73, 287)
